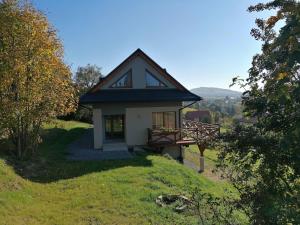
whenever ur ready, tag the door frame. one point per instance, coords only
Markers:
(111, 118)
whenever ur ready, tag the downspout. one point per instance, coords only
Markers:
(179, 113)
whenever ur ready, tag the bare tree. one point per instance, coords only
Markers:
(203, 134)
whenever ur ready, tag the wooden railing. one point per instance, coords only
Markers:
(188, 134)
(162, 137)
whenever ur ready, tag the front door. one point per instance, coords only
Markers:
(114, 127)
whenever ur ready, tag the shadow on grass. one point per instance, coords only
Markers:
(50, 164)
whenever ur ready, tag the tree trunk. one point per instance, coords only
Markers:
(19, 146)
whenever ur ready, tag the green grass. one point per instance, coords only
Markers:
(50, 190)
(210, 155)
(188, 109)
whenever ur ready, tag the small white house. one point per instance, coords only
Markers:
(137, 96)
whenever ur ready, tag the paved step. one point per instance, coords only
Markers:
(115, 147)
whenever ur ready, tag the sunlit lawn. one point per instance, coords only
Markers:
(192, 154)
(51, 190)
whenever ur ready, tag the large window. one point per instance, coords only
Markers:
(163, 120)
(152, 81)
(124, 82)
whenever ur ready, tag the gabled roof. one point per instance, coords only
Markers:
(99, 95)
(138, 53)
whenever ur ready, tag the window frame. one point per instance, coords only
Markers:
(128, 73)
(149, 86)
(154, 127)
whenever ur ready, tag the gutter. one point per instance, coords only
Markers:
(179, 111)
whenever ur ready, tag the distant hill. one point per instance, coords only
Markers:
(212, 92)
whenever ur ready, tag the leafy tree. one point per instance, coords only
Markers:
(263, 160)
(216, 117)
(35, 84)
(86, 77)
(211, 209)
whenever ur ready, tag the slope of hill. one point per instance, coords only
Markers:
(52, 190)
(212, 92)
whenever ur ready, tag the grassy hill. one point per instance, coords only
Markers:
(212, 92)
(51, 190)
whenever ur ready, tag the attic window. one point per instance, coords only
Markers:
(152, 81)
(125, 81)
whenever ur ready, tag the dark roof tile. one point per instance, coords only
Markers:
(138, 95)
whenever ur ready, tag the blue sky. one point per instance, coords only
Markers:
(201, 43)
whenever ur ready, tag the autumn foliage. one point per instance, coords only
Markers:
(35, 83)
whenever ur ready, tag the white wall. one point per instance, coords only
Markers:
(98, 130)
(117, 108)
(139, 119)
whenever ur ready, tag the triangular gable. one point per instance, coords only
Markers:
(153, 81)
(125, 81)
(137, 53)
